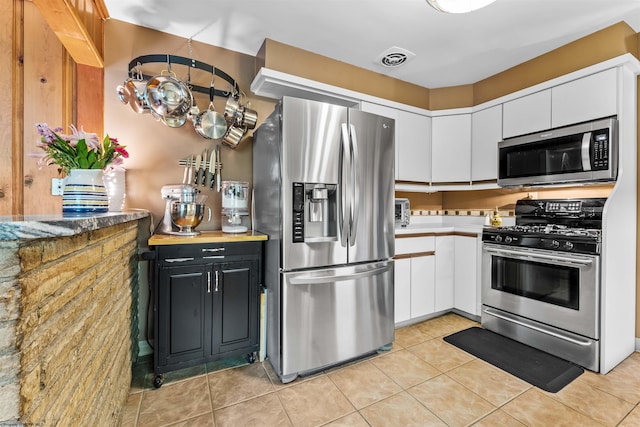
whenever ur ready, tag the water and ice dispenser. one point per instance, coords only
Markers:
(314, 212)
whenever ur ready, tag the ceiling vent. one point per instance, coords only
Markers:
(394, 57)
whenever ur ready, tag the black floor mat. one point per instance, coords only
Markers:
(536, 367)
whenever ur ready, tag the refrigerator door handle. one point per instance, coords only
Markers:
(355, 189)
(314, 280)
(344, 185)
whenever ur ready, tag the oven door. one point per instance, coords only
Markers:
(554, 288)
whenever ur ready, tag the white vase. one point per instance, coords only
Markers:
(84, 192)
(114, 181)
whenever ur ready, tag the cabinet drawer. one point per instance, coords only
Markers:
(412, 243)
(208, 250)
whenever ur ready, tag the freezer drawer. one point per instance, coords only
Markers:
(333, 315)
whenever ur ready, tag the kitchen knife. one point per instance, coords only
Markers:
(185, 174)
(190, 168)
(212, 170)
(218, 167)
(197, 169)
(205, 173)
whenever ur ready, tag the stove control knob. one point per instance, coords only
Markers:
(508, 239)
(555, 244)
(568, 245)
(498, 238)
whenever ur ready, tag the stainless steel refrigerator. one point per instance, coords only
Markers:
(323, 191)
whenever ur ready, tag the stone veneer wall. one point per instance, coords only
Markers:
(67, 327)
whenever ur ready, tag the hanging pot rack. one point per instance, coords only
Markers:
(136, 63)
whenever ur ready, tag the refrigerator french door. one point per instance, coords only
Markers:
(324, 193)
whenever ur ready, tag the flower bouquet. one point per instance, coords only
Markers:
(79, 150)
(83, 159)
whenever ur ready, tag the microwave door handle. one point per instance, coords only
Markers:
(585, 150)
(344, 185)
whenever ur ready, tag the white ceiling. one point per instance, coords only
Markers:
(451, 49)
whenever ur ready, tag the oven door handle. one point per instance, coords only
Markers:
(489, 311)
(531, 256)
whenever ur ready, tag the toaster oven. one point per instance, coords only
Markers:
(403, 212)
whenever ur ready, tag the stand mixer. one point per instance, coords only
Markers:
(182, 193)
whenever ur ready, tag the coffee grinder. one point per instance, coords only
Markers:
(183, 193)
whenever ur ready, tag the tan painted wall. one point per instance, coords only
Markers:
(154, 148)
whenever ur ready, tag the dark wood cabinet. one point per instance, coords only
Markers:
(206, 303)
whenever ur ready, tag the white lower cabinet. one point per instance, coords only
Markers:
(414, 287)
(466, 276)
(422, 285)
(402, 290)
(436, 273)
(445, 253)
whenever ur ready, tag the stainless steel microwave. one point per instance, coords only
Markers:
(583, 153)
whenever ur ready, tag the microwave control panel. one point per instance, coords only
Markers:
(600, 150)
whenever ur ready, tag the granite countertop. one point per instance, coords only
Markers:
(25, 227)
(206, 236)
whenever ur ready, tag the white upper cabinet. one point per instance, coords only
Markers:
(414, 149)
(451, 148)
(591, 97)
(486, 132)
(413, 142)
(531, 113)
(392, 113)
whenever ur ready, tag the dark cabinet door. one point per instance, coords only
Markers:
(236, 306)
(183, 333)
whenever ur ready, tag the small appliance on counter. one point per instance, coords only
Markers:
(235, 207)
(183, 212)
(403, 212)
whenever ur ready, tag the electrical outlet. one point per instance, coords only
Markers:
(57, 186)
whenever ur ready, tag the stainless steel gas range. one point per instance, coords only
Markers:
(541, 280)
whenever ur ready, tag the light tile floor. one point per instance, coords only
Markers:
(422, 381)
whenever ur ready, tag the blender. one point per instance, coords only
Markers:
(235, 204)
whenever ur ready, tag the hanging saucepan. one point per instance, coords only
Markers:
(233, 136)
(167, 96)
(132, 92)
(209, 123)
(231, 109)
(249, 118)
(176, 121)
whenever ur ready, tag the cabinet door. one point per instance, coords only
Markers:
(466, 274)
(422, 285)
(412, 142)
(486, 132)
(236, 306)
(444, 273)
(451, 148)
(392, 113)
(413, 139)
(531, 113)
(588, 98)
(402, 290)
(181, 305)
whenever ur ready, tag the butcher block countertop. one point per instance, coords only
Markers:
(208, 236)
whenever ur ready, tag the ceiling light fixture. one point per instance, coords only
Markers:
(459, 6)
